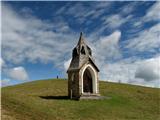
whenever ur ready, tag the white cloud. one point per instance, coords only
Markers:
(18, 73)
(67, 63)
(153, 13)
(141, 72)
(149, 70)
(147, 40)
(115, 21)
(107, 48)
(31, 39)
(81, 12)
(119, 71)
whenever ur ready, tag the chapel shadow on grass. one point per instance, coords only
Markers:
(55, 97)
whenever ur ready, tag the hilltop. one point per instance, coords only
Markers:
(47, 100)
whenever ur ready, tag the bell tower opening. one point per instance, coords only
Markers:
(83, 50)
(87, 82)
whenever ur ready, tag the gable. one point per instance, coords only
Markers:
(93, 64)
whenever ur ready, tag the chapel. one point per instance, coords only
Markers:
(82, 73)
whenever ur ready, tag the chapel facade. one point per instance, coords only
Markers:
(82, 73)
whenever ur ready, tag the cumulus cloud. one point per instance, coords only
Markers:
(141, 72)
(149, 69)
(18, 73)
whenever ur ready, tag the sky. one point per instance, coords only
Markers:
(38, 39)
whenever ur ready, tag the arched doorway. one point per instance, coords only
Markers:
(87, 82)
(89, 76)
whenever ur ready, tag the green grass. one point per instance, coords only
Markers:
(127, 102)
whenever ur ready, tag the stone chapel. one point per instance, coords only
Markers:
(82, 73)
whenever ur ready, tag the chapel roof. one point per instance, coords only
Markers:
(81, 54)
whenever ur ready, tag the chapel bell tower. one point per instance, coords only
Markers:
(82, 73)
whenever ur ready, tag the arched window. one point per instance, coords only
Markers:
(83, 50)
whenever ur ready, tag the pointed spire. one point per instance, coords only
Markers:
(81, 40)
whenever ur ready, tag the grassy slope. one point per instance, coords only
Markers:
(127, 102)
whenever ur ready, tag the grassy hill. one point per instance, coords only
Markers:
(47, 100)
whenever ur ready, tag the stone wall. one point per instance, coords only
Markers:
(73, 84)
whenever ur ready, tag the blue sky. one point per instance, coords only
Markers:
(38, 38)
